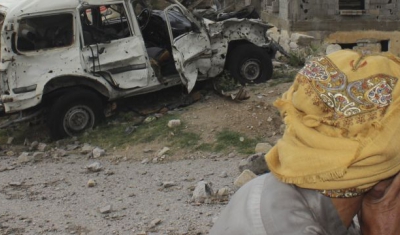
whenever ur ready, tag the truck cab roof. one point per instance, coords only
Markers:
(23, 7)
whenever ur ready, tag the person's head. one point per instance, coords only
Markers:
(342, 117)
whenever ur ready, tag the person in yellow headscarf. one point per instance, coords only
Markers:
(337, 158)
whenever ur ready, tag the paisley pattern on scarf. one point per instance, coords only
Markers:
(345, 99)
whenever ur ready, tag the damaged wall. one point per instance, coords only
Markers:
(338, 21)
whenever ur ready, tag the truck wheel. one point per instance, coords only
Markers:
(250, 64)
(74, 112)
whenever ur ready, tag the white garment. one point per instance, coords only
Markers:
(266, 206)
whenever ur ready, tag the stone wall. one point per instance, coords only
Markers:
(329, 21)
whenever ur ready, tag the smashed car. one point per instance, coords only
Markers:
(71, 59)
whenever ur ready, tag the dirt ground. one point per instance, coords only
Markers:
(49, 193)
(254, 117)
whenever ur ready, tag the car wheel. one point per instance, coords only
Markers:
(74, 112)
(250, 64)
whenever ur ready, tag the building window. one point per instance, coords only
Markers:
(351, 5)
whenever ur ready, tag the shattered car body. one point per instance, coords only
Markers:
(71, 58)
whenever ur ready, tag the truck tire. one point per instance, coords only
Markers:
(250, 64)
(74, 112)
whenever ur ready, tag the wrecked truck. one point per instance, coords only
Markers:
(67, 61)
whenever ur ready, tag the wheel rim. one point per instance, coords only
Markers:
(78, 119)
(251, 69)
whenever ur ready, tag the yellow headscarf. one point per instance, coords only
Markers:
(342, 117)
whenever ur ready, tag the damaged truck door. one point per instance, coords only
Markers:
(191, 50)
(111, 49)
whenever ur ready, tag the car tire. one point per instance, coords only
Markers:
(74, 112)
(250, 64)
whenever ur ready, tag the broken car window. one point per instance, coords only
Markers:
(179, 22)
(102, 24)
(45, 32)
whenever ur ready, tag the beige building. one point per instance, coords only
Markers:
(364, 23)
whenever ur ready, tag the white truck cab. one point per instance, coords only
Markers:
(71, 58)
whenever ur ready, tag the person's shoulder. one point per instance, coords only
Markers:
(273, 187)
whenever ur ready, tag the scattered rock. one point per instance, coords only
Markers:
(263, 148)
(202, 191)
(25, 158)
(223, 174)
(277, 64)
(168, 184)
(293, 46)
(214, 156)
(174, 123)
(223, 192)
(155, 222)
(58, 153)
(145, 161)
(42, 147)
(106, 209)
(86, 148)
(38, 156)
(34, 145)
(332, 48)
(94, 167)
(98, 152)
(163, 151)
(255, 163)
(72, 147)
(10, 153)
(232, 155)
(9, 168)
(243, 178)
(91, 183)
(15, 183)
(109, 172)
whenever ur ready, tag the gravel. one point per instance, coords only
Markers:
(51, 196)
